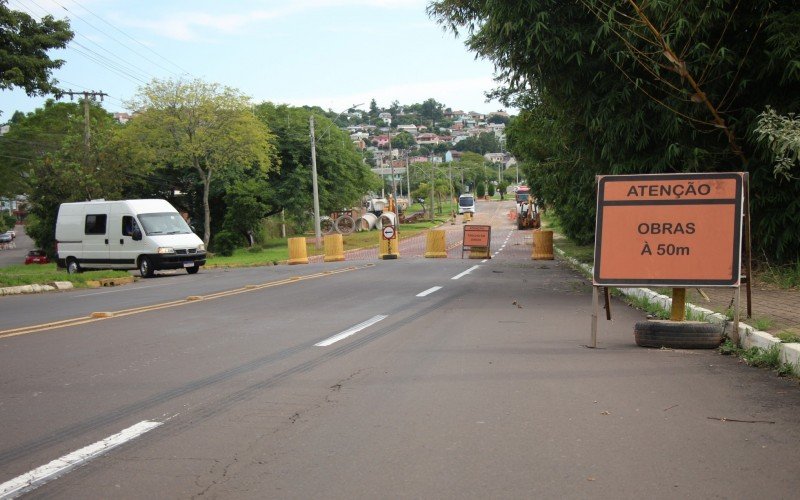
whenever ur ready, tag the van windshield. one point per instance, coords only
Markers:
(164, 223)
(466, 201)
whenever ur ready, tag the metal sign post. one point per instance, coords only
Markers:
(389, 233)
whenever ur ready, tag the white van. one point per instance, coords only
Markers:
(466, 203)
(148, 235)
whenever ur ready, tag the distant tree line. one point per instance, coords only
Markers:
(204, 147)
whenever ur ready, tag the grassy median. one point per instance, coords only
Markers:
(47, 273)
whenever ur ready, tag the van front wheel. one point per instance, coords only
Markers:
(192, 270)
(145, 267)
(73, 267)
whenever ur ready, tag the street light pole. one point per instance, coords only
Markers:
(408, 179)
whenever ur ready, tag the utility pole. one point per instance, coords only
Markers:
(450, 175)
(408, 178)
(432, 193)
(391, 169)
(88, 94)
(317, 229)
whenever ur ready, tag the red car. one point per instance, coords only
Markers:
(36, 257)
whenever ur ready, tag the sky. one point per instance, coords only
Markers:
(329, 53)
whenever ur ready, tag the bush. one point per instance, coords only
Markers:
(7, 222)
(225, 242)
(491, 189)
(481, 190)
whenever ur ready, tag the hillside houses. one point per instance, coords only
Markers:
(433, 144)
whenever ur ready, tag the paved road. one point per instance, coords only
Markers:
(23, 244)
(479, 389)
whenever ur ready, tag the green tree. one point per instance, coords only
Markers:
(485, 142)
(247, 203)
(47, 159)
(432, 110)
(472, 168)
(481, 190)
(342, 175)
(403, 140)
(635, 87)
(24, 44)
(203, 127)
(373, 110)
(502, 187)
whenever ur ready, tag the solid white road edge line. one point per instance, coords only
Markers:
(465, 272)
(429, 291)
(60, 466)
(351, 331)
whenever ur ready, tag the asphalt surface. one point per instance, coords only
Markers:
(482, 388)
(23, 244)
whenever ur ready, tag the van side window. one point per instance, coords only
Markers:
(128, 225)
(95, 224)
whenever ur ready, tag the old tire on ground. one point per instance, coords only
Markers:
(678, 334)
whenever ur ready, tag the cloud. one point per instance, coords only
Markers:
(197, 25)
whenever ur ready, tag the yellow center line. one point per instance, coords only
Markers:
(13, 332)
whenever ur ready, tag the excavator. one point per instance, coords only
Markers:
(527, 210)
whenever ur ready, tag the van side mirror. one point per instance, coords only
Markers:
(136, 234)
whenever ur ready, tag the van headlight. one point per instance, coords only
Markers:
(201, 247)
(165, 250)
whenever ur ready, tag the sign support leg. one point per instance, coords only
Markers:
(748, 262)
(595, 307)
(607, 297)
(735, 333)
(678, 312)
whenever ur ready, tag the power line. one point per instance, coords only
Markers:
(115, 39)
(119, 60)
(107, 63)
(135, 40)
(100, 59)
(111, 62)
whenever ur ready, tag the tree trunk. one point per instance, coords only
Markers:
(205, 175)
(206, 209)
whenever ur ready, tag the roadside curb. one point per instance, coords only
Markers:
(35, 288)
(110, 282)
(750, 337)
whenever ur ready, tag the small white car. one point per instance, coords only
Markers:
(466, 203)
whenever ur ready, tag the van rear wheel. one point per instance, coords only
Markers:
(145, 267)
(73, 267)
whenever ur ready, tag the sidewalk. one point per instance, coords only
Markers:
(778, 308)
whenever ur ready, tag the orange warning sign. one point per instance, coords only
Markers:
(477, 236)
(677, 230)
